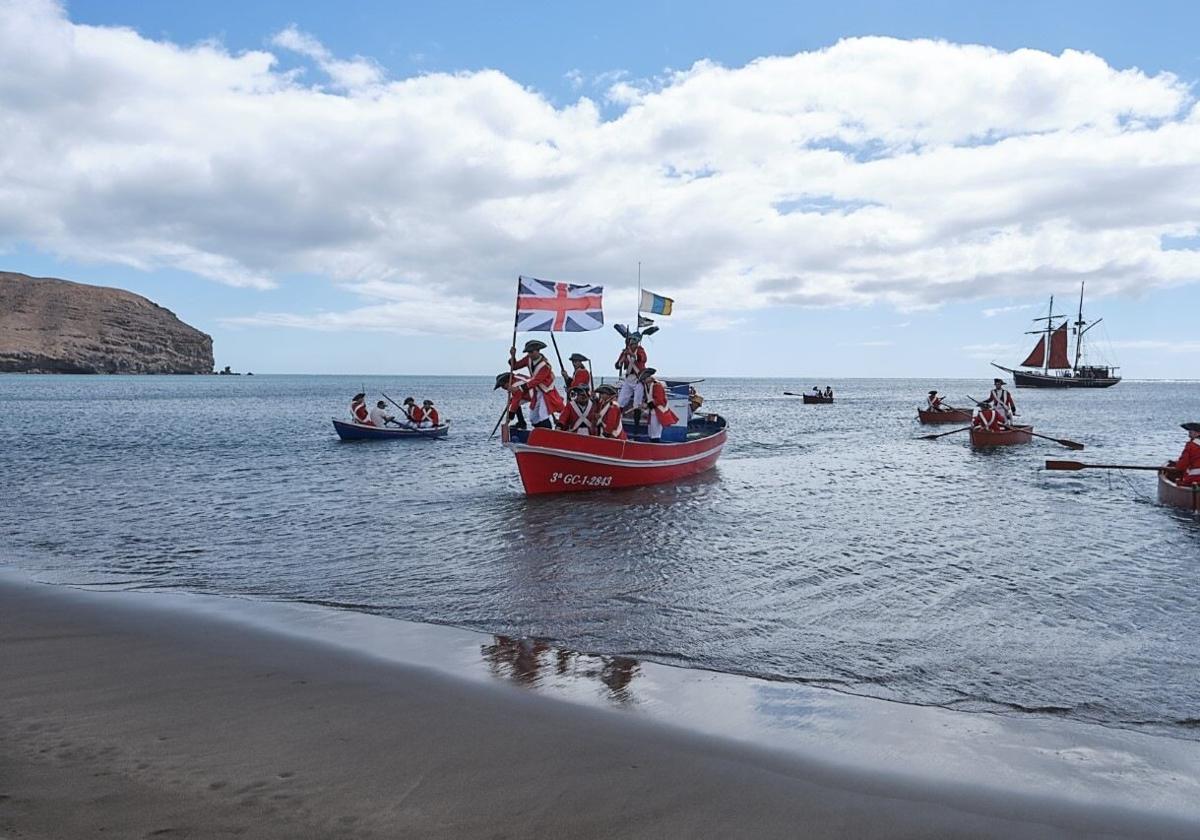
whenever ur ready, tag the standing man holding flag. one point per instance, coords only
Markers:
(547, 306)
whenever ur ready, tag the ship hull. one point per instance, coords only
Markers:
(934, 418)
(1030, 379)
(983, 439)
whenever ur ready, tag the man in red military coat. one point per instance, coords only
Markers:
(608, 414)
(1001, 400)
(579, 415)
(661, 414)
(579, 376)
(988, 418)
(514, 387)
(359, 410)
(1188, 463)
(432, 417)
(630, 365)
(544, 399)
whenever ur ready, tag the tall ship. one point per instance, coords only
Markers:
(1050, 364)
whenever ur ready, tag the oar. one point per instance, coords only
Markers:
(561, 366)
(1075, 466)
(422, 432)
(943, 434)
(1070, 444)
(790, 394)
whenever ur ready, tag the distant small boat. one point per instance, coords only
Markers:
(1170, 493)
(813, 399)
(982, 438)
(1051, 354)
(933, 418)
(356, 431)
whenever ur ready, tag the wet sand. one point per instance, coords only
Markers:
(122, 718)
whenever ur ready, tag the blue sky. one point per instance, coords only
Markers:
(748, 303)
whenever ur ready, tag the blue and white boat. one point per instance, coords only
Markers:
(356, 431)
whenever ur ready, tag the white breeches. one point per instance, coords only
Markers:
(632, 392)
(537, 409)
(656, 427)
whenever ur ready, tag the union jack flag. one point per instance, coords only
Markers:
(545, 306)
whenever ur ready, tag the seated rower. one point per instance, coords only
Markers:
(989, 419)
(660, 411)
(432, 417)
(934, 403)
(608, 414)
(514, 387)
(1188, 464)
(544, 399)
(578, 416)
(828, 393)
(579, 377)
(358, 410)
(380, 417)
(412, 413)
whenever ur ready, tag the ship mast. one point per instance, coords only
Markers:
(1049, 319)
(1080, 324)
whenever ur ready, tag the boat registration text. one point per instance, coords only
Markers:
(581, 480)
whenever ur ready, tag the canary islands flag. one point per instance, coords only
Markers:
(656, 304)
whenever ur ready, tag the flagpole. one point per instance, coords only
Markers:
(637, 319)
(512, 357)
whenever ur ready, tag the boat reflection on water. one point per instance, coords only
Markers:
(535, 663)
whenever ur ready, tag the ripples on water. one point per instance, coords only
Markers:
(828, 546)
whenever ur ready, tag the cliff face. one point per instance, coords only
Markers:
(55, 326)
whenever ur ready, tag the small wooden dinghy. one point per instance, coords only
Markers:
(982, 438)
(933, 418)
(1175, 495)
(813, 399)
(356, 431)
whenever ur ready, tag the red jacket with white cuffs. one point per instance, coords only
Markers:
(608, 421)
(656, 397)
(541, 380)
(1189, 464)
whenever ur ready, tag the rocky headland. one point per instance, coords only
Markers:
(56, 326)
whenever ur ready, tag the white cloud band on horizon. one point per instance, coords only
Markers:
(912, 173)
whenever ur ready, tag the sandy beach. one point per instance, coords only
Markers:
(122, 718)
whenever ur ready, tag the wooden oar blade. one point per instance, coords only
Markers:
(1070, 444)
(1066, 466)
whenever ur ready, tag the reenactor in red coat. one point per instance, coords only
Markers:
(661, 414)
(514, 386)
(988, 418)
(630, 365)
(579, 377)
(414, 412)
(608, 414)
(1188, 464)
(544, 399)
(1002, 400)
(359, 410)
(579, 415)
(432, 418)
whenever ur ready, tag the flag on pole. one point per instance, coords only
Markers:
(655, 304)
(644, 322)
(546, 306)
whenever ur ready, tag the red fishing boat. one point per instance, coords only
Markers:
(1175, 495)
(553, 461)
(982, 438)
(933, 418)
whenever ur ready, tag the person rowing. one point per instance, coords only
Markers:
(432, 417)
(1187, 465)
(934, 403)
(359, 411)
(989, 418)
(379, 416)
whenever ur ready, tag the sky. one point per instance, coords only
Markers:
(851, 189)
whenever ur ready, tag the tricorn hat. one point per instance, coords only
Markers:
(998, 379)
(578, 357)
(502, 380)
(932, 392)
(634, 337)
(534, 344)
(1191, 427)
(606, 389)
(381, 404)
(408, 400)
(576, 390)
(358, 397)
(647, 373)
(430, 402)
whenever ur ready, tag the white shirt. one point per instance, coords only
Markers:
(377, 416)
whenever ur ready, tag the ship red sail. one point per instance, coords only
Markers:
(1038, 356)
(1058, 350)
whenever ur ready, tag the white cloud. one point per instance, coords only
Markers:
(876, 170)
(1000, 310)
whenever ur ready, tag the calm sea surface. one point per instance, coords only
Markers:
(829, 546)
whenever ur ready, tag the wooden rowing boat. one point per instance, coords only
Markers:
(357, 431)
(1175, 495)
(554, 461)
(933, 418)
(813, 399)
(982, 438)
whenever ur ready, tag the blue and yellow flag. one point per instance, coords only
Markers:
(656, 304)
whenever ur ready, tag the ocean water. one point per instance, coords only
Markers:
(830, 546)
